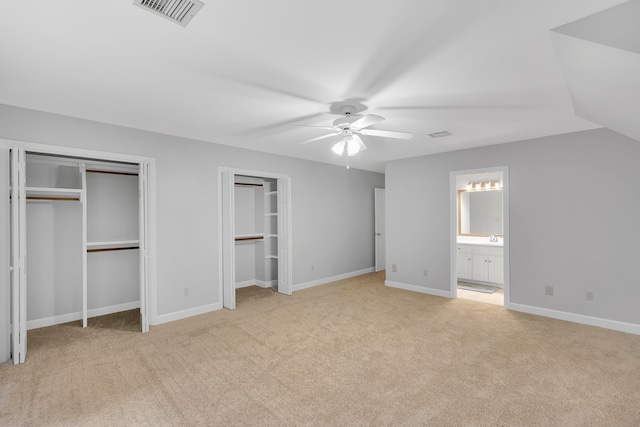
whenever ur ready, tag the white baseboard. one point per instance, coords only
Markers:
(245, 284)
(421, 289)
(630, 328)
(313, 283)
(72, 317)
(267, 284)
(183, 314)
(260, 283)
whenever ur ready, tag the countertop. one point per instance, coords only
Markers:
(480, 241)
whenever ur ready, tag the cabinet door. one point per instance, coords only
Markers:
(480, 268)
(464, 264)
(496, 269)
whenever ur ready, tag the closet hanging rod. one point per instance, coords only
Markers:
(238, 239)
(242, 184)
(112, 172)
(113, 249)
(70, 199)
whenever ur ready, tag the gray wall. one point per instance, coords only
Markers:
(574, 220)
(332, 208)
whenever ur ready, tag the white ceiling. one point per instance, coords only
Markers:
(243, 71)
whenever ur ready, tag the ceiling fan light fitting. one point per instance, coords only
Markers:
(352, 147)
(338, 148)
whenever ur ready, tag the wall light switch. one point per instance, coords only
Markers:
(394, 268)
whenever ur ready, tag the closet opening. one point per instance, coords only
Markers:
(79, 241)
(255, 228)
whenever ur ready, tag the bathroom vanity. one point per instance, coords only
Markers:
(482, 262)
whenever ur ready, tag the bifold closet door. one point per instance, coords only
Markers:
(284, 237)
(18, 256)
(228, 241)
(143, 190)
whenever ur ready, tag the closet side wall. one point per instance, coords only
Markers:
(245, 224)
(112, 215)
(54, 246)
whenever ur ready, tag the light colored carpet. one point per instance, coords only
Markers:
(349, 353)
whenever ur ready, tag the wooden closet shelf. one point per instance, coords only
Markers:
(113, 249)
(66, 199)
(248, 238)
(112, 172)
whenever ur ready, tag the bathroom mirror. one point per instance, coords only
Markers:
(480, 212)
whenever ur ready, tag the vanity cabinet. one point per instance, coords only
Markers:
(464, 262)
(481, 263)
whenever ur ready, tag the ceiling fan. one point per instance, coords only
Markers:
(350, 127)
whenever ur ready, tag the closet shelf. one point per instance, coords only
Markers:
(270, 235)
(113, 245)
(271, 193)
(47, 193)
(271, 257)
(243, 184)
(249, 237)
(271, 214)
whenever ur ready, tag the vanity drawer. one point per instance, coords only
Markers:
(487, 250)
(464, 249)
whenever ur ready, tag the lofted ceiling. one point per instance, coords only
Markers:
(243, 71)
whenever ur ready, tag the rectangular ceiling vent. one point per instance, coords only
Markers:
(441, 134)
(178, 11)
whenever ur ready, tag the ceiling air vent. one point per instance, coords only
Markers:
(441, 134)
(178, 11)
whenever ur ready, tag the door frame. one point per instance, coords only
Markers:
(227, 263)
(148, 288)
(453, 227)
(378, 234)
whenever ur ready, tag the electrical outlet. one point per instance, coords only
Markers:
(394, 268)
(548, 290)
(588, 296)
(187, 291)
(426, 273)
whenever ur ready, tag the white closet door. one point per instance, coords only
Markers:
(284, 237)
(228, 242)
(143, 192)
(380, 237)
(18, 256)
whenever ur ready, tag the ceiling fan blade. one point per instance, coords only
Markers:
(366, 121)
(315, 127)
(386, 133)
(358, 141)
(277, 125)
(319, 138)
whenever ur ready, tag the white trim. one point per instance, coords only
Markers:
(420, 289)
(245, 284)
(313, 283)
(268, 284)
(183, 314)
(72, 317)
(616, 325)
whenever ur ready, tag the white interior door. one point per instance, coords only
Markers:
(228, 242)
(143, 193)
(381, 245)
(18, 256)
(285, 269)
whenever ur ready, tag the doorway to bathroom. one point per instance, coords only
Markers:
(480, 235)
